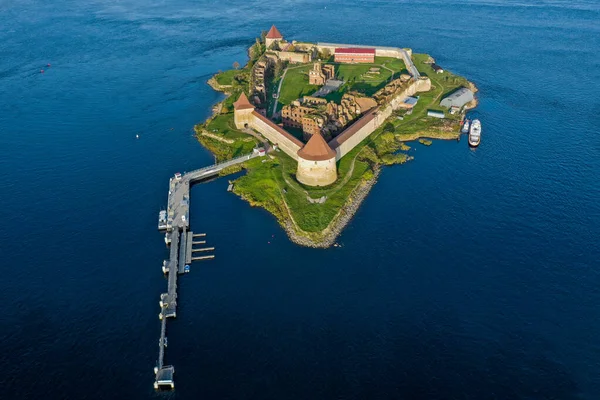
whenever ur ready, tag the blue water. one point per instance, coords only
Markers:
(465, 274)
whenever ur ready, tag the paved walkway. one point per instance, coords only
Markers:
(278, 90)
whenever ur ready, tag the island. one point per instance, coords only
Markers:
(328, 117)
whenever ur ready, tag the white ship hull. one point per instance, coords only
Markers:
(475, 133)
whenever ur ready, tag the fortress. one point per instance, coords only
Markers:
(344, 125)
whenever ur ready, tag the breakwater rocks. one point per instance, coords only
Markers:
(329, 235)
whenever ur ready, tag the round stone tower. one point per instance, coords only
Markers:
(316, 163)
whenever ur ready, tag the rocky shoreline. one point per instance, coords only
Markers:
(335, 228)
(212, 82)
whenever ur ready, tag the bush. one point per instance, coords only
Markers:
(368, 154)
(389, 127)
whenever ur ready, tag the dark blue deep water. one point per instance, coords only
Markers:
(465, 275)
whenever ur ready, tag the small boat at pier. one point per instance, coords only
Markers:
(162, 220)
(466, 126)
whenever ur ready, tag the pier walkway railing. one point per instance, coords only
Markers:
(179, 190)
(216, 168)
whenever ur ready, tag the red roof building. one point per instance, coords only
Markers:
(354, 55)
(274, 33)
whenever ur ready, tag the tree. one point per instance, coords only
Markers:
(325, 54)
(389, 127)
(236, 64)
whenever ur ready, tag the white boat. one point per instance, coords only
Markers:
(475, 133)
(162, 220)
(167, 239)
(466, 125)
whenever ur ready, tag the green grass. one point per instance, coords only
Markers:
(296, 85)
(316, 217)
(312, 217)
(442, 84)
(356, 76)
(268, 184)
(272, 184)
(222, 125)
(260, 186)
(395, 64)
(226, 77)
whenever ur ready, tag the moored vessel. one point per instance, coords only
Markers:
(162, 220)
(475, 133)
(466, 125)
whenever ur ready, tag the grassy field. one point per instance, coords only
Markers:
(222, 126)
(356, 76)
(226, 77)
(358, 79)
(273, 185)
(295, 85)
(418, 122)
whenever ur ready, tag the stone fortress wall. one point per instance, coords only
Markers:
(276, 135)
(249, 118)
(317, 159)
(368, 123)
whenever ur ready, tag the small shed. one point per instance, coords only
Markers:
(458, 98)
(259, 150)
(437, 68)
(435, 114)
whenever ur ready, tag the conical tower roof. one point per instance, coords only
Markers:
(242, 103)
(316, 149)
(274, 33)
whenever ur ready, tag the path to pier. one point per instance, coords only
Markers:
(179, 190)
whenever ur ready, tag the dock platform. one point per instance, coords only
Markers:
(181, 253)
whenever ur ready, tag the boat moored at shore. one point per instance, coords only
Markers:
(475, 133)
(466, 126)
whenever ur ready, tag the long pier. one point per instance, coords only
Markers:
(182, 253)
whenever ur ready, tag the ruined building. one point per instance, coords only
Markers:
(258, 85)
(316, 115)
(321, 74)
(390, 90)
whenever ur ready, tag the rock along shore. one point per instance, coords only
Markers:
(331, 233)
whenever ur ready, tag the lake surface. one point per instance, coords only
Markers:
(465, 274)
